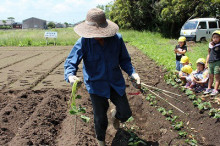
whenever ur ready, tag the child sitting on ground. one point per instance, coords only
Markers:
(200, 76)
(182, 76)
(180, 51)
(213, 58)
(187, 70)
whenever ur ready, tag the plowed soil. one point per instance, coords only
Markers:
(34, 104)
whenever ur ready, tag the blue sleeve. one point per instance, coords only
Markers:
(73, 60)
(124, 58)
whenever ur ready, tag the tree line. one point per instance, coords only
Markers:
(164, 16)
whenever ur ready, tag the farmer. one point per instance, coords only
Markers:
(104, 54)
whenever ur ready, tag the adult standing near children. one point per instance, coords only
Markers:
(104, 54)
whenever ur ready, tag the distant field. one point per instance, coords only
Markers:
(152, 44)
(66, 36)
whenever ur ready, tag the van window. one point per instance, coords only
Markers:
(190, 25)
(202, 25)
(212, 24)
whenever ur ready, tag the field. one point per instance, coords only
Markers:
(34, 104)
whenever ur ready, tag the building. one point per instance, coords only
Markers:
(17, 25)
(34, 23)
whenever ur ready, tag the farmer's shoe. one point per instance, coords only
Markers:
(101, 143)
(115, 121)
(214, 92)
(207, 91)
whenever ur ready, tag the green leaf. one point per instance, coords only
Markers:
(182, 134)
(217, 116)
(212, 112)
(85, 119)
(161, 109)
(78, 97)
(178, 125)
(130, 119)
(192, 97)
(188, 92)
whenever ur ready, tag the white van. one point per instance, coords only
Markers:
(199, 29)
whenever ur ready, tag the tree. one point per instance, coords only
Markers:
(4, 22)
(67, 24)
(51, 25)
(11, 18)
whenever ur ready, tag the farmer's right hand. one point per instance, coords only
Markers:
(73, 79)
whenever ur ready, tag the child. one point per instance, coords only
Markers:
(187, 69)
(200, 76)
(213, 58)
(182, 76)
(180, 51)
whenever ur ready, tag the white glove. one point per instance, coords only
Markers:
(73, 79)
(136, 81)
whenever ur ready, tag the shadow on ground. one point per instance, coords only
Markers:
(126, 138)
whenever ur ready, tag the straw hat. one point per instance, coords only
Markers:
(96, 25)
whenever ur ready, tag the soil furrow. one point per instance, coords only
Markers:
(26, 75)
(8, 65)
(8, 56)
(16, 113)
(43, 125)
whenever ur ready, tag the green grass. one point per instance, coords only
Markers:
(161, 49)
(35, 37)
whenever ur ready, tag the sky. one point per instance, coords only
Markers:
(71, 11)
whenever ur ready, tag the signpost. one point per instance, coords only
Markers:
(50, 35)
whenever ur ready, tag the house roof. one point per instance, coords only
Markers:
(34, 18)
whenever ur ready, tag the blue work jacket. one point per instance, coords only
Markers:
(101, 64)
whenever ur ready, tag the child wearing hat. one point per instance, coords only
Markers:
(200, 76)
(187, 69)
(213, 59)
(104, 55)
(180, 51)
(182, 76)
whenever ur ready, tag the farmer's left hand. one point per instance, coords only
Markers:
(136, 80)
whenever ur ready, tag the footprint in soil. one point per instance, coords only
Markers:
(125, 138)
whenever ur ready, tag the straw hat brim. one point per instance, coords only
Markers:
(89, 31)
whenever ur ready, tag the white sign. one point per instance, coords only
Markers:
(50, 34)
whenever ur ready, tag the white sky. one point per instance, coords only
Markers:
(70, 11)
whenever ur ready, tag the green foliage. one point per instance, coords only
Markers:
(178, 125)
(189, 92)
(215, 113)
(192, 97)
(197, 102)
(130, 119)
(135, 140)
(35, 37)
(85, 119)
(166, 16)
(191, 142)
(151, 99)
(182, 134)
(204, 106)
(51, 25)
(74, 110)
